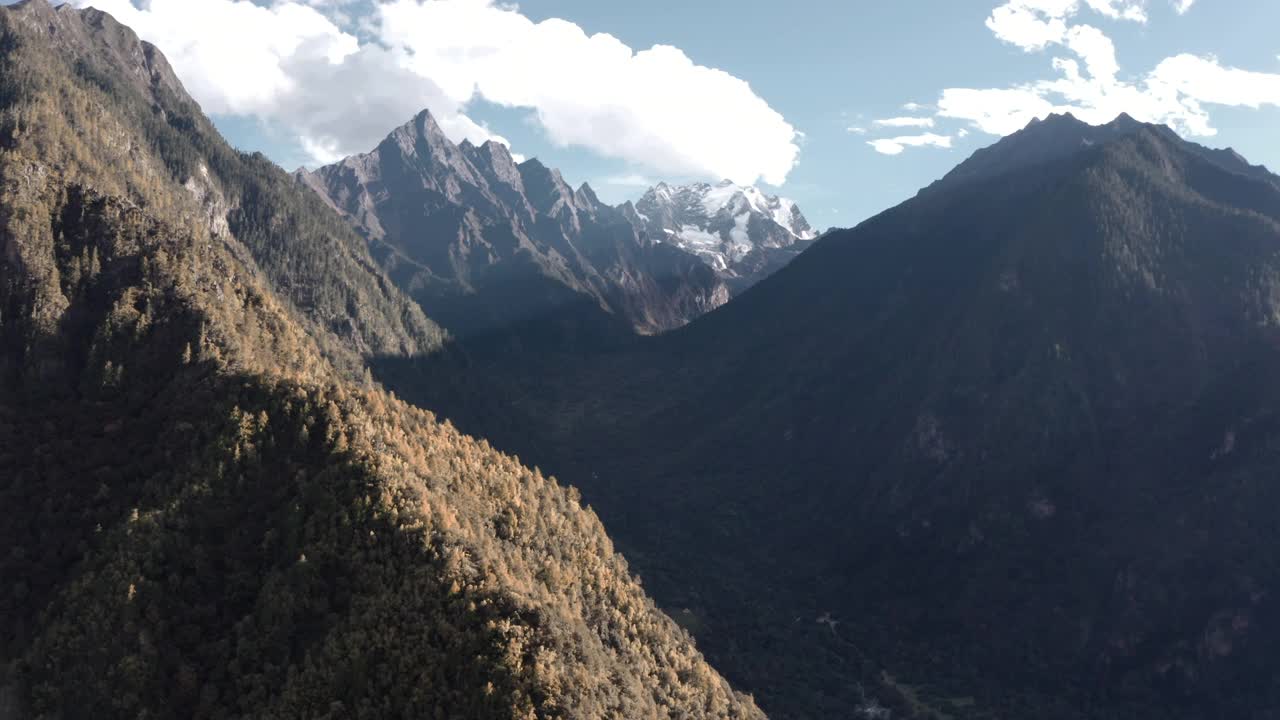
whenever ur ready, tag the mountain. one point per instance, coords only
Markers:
(326, 275)
(210, 511)
(1006, 450)
(484, 243)
(1062, 135)
(744, 235)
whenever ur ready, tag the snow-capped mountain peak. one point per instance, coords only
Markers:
(736, 229)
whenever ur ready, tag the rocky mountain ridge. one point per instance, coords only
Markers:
(483, 242)
(740, 232)
(486, 243)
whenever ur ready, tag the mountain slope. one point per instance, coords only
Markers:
(738, 231)
(206, 517)
(484, 243)
(1012, 440)
(326, 272)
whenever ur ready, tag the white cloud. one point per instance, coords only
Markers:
(895, 146)
(1134, 10)
(856, 130)
(1096, 50)
(995, 111)
(655, 107)
(1088, 80)
(1037, 24)
(914, 107)
(1206, 81)
(1032, 24)
(231, 54)
(292, 65)
(631, 180)
(915, 122)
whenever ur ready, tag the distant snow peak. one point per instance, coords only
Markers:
(730, 226)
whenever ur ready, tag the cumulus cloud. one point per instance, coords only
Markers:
(294, 65)
(231, 54)
(915, 122)
(1032, 24)
(653, 107)
(1035, 24)
(1088, 80)
(895, 146)
(1209, 82)
(342, 108)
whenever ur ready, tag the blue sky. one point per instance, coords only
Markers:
(821, 73)
(828, 65)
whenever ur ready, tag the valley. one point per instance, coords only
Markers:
(1054, 370)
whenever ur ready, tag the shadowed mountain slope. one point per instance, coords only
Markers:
(1015, 440)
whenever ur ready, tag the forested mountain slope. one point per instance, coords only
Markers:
(1014, 441)
(84, 98)
(205, 514)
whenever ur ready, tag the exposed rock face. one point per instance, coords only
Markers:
(94, 36)
(484, 243)
(744, 235)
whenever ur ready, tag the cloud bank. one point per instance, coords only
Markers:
(655, 106)
(1088, 81)
(293, 65)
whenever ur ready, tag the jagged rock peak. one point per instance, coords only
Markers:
(726, 224)
(728, 199)
(423, 127)
(587, 194)
(1124, 119)
(1042, 140)
(545, 187)
(494, 159)
(536, 168)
